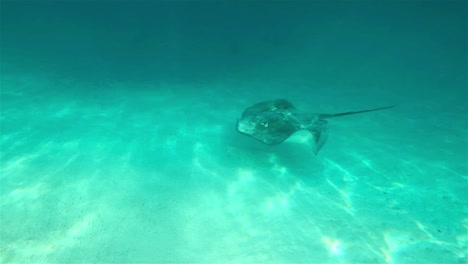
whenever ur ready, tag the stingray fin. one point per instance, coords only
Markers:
(320, 137)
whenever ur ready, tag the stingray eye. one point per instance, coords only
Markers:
(264, 124)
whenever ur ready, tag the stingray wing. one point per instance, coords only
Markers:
(273, 136)
(272, 127)
(268, 106)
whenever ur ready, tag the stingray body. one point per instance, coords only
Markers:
(272, 122)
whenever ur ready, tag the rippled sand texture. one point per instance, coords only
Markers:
(161, 176)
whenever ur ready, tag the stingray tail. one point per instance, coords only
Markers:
(352, 113)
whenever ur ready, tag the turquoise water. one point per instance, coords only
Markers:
(118, 140)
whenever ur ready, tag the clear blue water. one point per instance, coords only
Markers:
(118, 139)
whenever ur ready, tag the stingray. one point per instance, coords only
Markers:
(272, 122)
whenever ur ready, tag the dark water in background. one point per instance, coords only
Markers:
(118, 142)
(204, 41)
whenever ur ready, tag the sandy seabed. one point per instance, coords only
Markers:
(135, 173)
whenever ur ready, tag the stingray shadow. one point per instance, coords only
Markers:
(296, 158)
